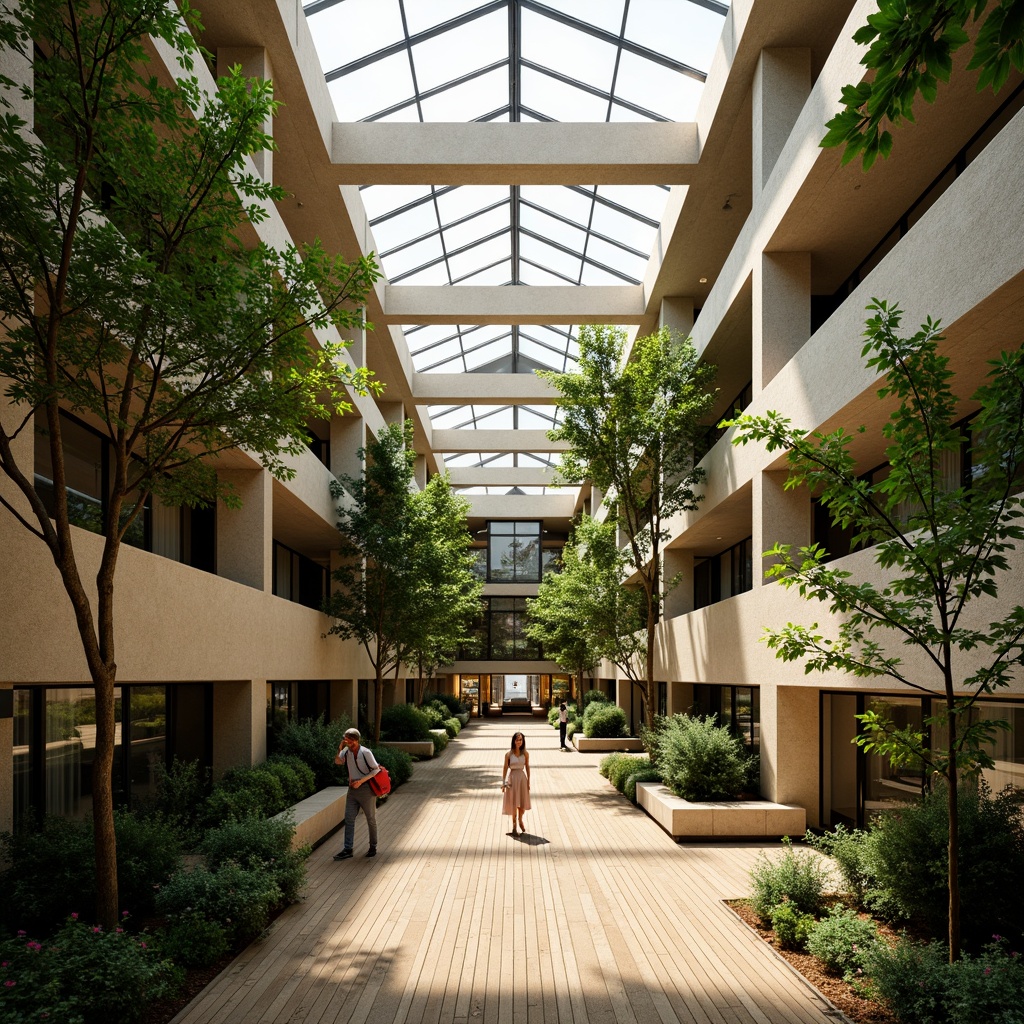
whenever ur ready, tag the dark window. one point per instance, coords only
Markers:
(726, 574)
(298, 578)
(500, 635)
(514, 552)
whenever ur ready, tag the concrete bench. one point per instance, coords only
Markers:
(317, 815)
(733, 819)
(607, 744)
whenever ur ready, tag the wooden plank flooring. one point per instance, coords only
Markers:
(594, 917)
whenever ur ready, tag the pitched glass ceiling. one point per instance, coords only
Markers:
(512, 60)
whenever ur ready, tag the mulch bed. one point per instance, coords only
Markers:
(164, 1010)
(835, 990)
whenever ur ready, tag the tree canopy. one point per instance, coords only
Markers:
(136, 294)
(942, 541)
(910, 50)
(632, 424)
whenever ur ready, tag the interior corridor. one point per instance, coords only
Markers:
(595, 917)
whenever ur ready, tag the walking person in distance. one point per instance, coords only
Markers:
(361, 766)
(563, 724)
(515, 782)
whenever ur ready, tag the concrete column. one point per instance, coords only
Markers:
(782, 83)
(393, 412)
(789, 747)
(344, 695)
(781, 317)
(356, 338)
(255, 63)
(6, 757)
(245, 535)
(779, 516)
(679, 599)
(420, 471)
(239, 724)
(677, 314)
(348, 435)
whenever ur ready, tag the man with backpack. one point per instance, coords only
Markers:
(362, 766)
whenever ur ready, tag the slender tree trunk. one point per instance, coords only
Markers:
(953, 797)
(378, 700)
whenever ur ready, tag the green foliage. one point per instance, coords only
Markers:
(434, 716)
(698, 759)
(449, 700)
(315, 742)
(800, 877)
(631, 427)
(910, 50)
(849, 849)
(921, 986)
(83, 975)
(52, 874)
(260, 844)
(407, 723)
(943, 549)
(245, 792)
(180, 794)
(649, 774)
(842, 940)
(440, 738)
(605, 720)
(301, 779)
(239, 899)
(453, 727)
(191, 940)
(618, 767)
(790, 925)
(907, 856)
(397, 762)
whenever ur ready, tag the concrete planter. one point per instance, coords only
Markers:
(734, 819)
(418, 748)
(317, 815)
(607, 745)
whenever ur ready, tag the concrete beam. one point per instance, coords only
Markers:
(522, 506)
(561, 153)
(513, 304)
(496, 441)
(482, 389)
(501, 476)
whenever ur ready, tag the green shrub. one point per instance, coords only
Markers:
(553, 714)
(592, 696)
(644, 775)
(83, 975)
(260, 844)
(700, 760)
(848, 848)
(607, 763)
(315, 742)
(570, 729)
(406, 723)
(842, 940)
(623, 767)
(291, 785)
(801, 878)
(452, 703)
(304, 775)
(440, 738)
(52, 873)
(193, 941)
(907, 857)
(180, 793)
(453, 727)
(433, 715)
(790, 925)
(239, 899)
(605, 720)
(397, 762)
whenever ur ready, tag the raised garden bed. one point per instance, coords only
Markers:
(733, 819)
(606, 744)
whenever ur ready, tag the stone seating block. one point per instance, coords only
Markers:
(719, 819)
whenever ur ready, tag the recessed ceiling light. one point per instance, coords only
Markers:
(703, 280)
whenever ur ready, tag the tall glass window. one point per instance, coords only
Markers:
(506, 619)
(147, 714)
(514, 552)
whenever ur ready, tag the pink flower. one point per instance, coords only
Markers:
(34, 946)
(97, 930)
(21, 931)
(143, 945)
(74, 917)
(988, 971)
(124, 913)
(10, 984)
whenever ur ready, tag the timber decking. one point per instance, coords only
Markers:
(595, 917)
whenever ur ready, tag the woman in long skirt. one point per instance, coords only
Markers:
(515, 782)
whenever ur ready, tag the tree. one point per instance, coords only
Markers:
(448, 601)
(911, 49)
(631, 428)
(583, 613)
(135, 294)
(943, 543)
(375, 601)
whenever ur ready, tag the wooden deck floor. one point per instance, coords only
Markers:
(595, 917)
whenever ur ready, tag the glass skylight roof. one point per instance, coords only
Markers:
(512, 60)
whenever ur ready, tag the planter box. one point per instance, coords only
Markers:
(418, 748)
(317, 815)
(726, 820)
(606, 745)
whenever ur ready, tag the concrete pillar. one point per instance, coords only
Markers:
(6, 757)
(782, 83)
(393, 412)
(239, 724)
(348, 435)
(420, 472)
(255, 63)
(677, 314)
(779, 516)
(356, 338)
(679, 599)
(789, 747)
(245, 535)
(344, 695)
(781, 317)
